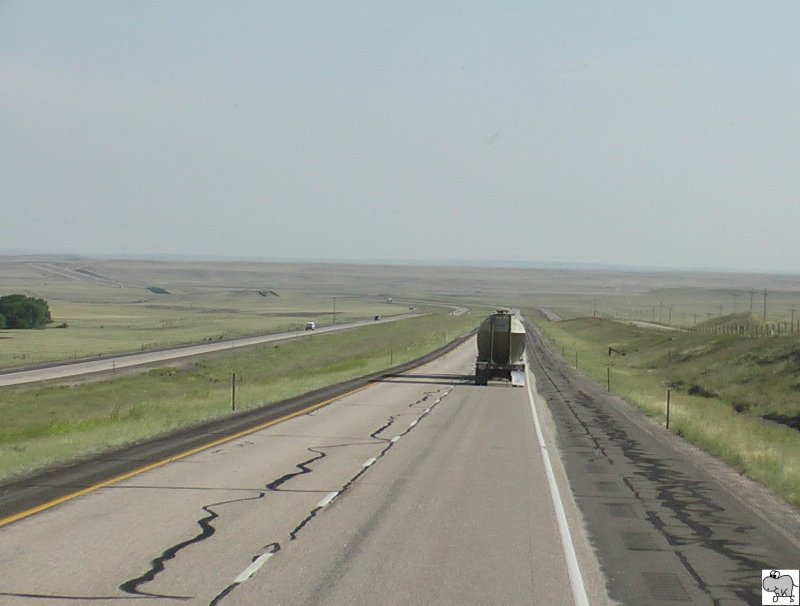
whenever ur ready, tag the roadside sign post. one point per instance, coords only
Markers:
(610, 362)
(669, 391)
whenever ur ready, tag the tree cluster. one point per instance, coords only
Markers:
(19, 311)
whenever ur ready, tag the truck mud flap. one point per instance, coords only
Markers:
(518, 378)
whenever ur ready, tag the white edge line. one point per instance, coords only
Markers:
(369, 462)
(328, 498)
(253, 568)
(575, 578)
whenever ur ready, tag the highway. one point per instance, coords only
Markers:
(118, 362)
(419, 489)
(669, 524)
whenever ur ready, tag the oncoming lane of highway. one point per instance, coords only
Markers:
(420, 489)
(117, 362)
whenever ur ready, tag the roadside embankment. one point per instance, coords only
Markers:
(735, 397)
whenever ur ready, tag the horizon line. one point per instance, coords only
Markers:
(476, 263)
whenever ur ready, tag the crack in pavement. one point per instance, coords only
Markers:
(208, 529)
(389, 443)
(158, 564)
(683, 510)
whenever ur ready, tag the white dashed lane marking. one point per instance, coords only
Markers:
(253, 568)
(328, 498)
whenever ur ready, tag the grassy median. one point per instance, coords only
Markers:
(738, 398)
(89, 328)
(43, 425)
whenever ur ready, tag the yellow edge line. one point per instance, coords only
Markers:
(74, 495)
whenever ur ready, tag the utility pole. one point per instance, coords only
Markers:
(765, 305)
(752, 293)
(334, 310)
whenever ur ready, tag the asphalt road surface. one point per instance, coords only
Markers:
(669, 524)
(421, 489)
(117, 362)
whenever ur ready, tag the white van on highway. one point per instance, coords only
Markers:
(311, 326)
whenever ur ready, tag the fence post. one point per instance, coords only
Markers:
(668, 399)
(233, 392)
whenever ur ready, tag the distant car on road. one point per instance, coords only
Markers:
(311, 326)
(376, 318)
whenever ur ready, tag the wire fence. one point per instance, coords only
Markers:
(770, 329)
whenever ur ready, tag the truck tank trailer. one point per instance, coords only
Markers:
(501, 345)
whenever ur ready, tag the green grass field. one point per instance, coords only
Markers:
(97, 327)
(736, 397)
(727, 392)
(42, 425)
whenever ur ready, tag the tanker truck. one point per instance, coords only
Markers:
(501, 344)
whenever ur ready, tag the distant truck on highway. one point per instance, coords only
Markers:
(501, 346)
(311, 326)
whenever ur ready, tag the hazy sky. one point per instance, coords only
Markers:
(647, 133)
